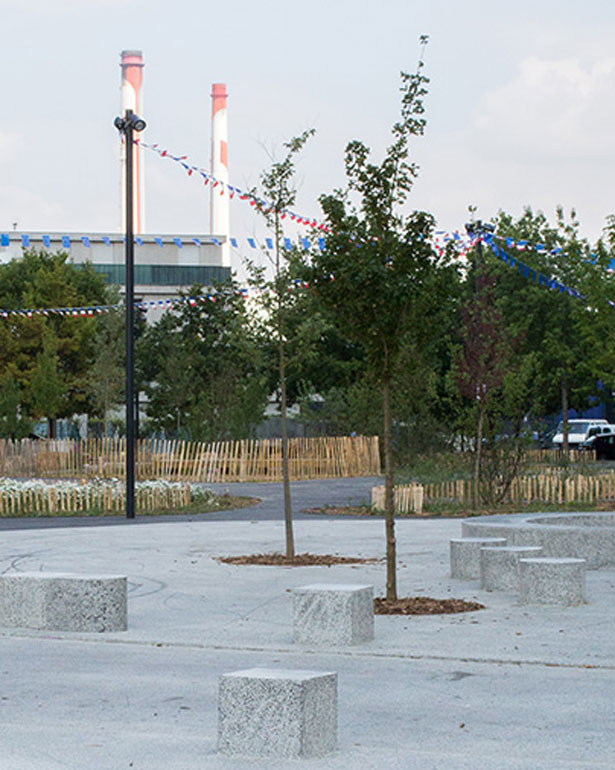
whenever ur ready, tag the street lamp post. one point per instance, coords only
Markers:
(127, 126)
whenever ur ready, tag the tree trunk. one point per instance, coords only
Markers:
(52, 427)
(288, 509)
(478, 454)
(389, 504)
(565, 446)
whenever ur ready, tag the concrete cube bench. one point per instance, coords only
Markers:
(63, 601)
(552, 581)
(331, 613)
(277, 713)
(465, 555)
(499, 567)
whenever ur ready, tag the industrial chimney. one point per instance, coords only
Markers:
(132, 76)
(219, 211)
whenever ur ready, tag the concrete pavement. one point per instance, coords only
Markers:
(506, 688)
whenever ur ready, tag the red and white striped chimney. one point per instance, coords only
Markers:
(220, 209)
(132, 77)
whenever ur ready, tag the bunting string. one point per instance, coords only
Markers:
(231, 190)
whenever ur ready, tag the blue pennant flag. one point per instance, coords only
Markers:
(321, 244)
(234, 242)
(139, 240)
(197, 241)
(178, 243)
(46, 241)
(252, 243)
(66, 242)
(86, 241)
(288, 244)
(269, 243)
(216, 241)
(25, 241)
(305, 243)
(158, 241)
(106, 240)
(5, 239)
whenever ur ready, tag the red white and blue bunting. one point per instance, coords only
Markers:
(231, 190)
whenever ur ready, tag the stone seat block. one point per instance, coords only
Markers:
(499, 567)
(552, 581)
(330, 613)
(277, 713)
(63, 601)
(465, 555)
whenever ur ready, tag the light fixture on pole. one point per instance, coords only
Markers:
(127, 126)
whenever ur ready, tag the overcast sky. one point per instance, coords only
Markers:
(520, 108)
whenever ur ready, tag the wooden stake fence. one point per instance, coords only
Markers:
(247, 460)
(50, 499)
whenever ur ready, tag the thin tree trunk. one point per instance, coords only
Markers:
(52, 427)
(478, 455)
(389, 506)
(565, 445)
(288, 507)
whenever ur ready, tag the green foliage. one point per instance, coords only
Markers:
(12, 424)
(106, 378)
(204, 369)
(49, 356)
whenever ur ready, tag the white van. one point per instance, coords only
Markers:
(579, 431)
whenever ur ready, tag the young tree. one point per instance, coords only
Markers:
(378, 276)
(278, 188)
(13, 424)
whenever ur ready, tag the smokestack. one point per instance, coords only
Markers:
(132, 77)
(219, 212)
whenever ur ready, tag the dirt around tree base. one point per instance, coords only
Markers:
(423, 605)
(300, 560)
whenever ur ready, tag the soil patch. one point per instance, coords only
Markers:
(300, 560)
(423, 605)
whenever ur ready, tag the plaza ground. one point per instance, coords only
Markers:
(509, 687)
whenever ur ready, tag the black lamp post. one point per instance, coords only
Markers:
(127, 126)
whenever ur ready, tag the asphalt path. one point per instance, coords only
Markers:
(304, 495)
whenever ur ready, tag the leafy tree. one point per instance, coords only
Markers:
(558, 329)
(13, 424)
(54, 342)
(202, 363)
(378, 276)
(106, 378)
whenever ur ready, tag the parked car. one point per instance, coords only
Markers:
(603, 445)
(579, 431)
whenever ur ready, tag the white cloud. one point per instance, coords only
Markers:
(553, 110)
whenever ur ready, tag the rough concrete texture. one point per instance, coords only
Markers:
(589, 536)
(465, 555)
(277, 713)
(512, 687)
(499, 567)
(326, 613)
(63, 601)
(552, 581)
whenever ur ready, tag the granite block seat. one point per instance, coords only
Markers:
(499, 567)
(465, 555)
(552, 581)
(63, 601)
(277, 713)
(332, 613)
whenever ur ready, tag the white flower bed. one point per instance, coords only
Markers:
(40, 496)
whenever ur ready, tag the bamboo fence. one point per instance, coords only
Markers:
(248, 460)
(551, 488)
(50, 499)
(406, 499)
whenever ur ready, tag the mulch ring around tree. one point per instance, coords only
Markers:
(300, 560)
(423, 605)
